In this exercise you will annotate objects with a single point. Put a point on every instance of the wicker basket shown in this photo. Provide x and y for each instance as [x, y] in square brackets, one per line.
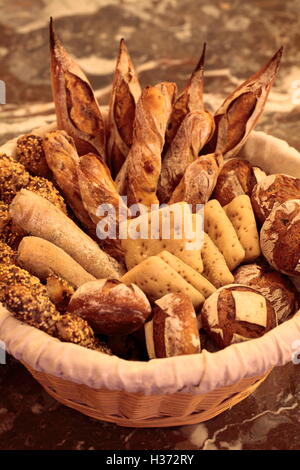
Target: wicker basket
[137, 410]
[165, 392]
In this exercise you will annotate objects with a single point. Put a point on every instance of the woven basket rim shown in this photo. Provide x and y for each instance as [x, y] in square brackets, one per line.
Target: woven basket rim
[188, 374]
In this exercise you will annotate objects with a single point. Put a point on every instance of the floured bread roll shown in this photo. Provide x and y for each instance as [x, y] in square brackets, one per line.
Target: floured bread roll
[280, 240]
[110, 307]
[272, 191]
[237, 313]
[237, 177]
[275, 287]
[173, 330]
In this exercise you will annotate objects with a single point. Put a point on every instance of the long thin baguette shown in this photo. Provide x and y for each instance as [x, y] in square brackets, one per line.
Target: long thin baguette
[38, 217]
[144, 159]
[41, 258]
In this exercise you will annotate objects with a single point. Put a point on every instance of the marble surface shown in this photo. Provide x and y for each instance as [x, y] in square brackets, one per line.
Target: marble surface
[165, 39]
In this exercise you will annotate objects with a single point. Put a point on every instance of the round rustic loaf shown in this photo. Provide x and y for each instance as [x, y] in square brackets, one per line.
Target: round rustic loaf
[236, 313]
[173, 330]
[272, 191]
[275, 287]
[110, 307]
[280, 239]
[237, 177]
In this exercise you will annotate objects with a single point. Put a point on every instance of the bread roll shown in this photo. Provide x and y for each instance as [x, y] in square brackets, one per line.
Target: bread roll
[173, 330]
[237, 177]
[280, 240]
[38, 217]
[272, 191]
[236, 313]
[277, 288]
[110, 307]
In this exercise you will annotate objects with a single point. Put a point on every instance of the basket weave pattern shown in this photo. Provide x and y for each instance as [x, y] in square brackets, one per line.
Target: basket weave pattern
[137, 410]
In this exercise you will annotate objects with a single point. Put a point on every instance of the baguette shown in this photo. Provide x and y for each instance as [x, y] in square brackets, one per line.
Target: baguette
[198, 181]
[239, 113]
[192, 135]
[188, 100]
[62, 158]
[42, 258]
[144, 159]
[38, 217]
[97, 188]
[125, 94]
[76, 106]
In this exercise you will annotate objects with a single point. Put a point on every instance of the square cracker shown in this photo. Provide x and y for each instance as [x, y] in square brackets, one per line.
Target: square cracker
[185, 247]
[241, 215]
[218, 226]
[189, 274]
[156, 279]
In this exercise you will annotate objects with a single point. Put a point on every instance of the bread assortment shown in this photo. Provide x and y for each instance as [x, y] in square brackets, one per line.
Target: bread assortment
[88, 255]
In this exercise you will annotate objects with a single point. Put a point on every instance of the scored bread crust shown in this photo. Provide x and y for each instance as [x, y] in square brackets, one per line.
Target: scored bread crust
[237, 177]
[144, 159]
[173, 329]
[277, 288]
[273, 191]
[125, 94]
[221, 311]
[279, 238]
[193, 133]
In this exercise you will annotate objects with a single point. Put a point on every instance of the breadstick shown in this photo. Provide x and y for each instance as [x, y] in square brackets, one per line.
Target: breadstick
[144, 159]
[125, 94]
[43, 258]
[38, 217]
[192, 135]
[76, 106]
[218, 226]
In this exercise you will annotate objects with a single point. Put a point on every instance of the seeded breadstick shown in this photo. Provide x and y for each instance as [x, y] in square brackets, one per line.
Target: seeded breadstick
[31, 154]
[46, 189]
[13, 177]
[189, 274]
[38, 217]
[215, 268]
[7, 254]
[241, 215]
[28, 300]
[74, 329]
[156, 278]
[218, 226]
